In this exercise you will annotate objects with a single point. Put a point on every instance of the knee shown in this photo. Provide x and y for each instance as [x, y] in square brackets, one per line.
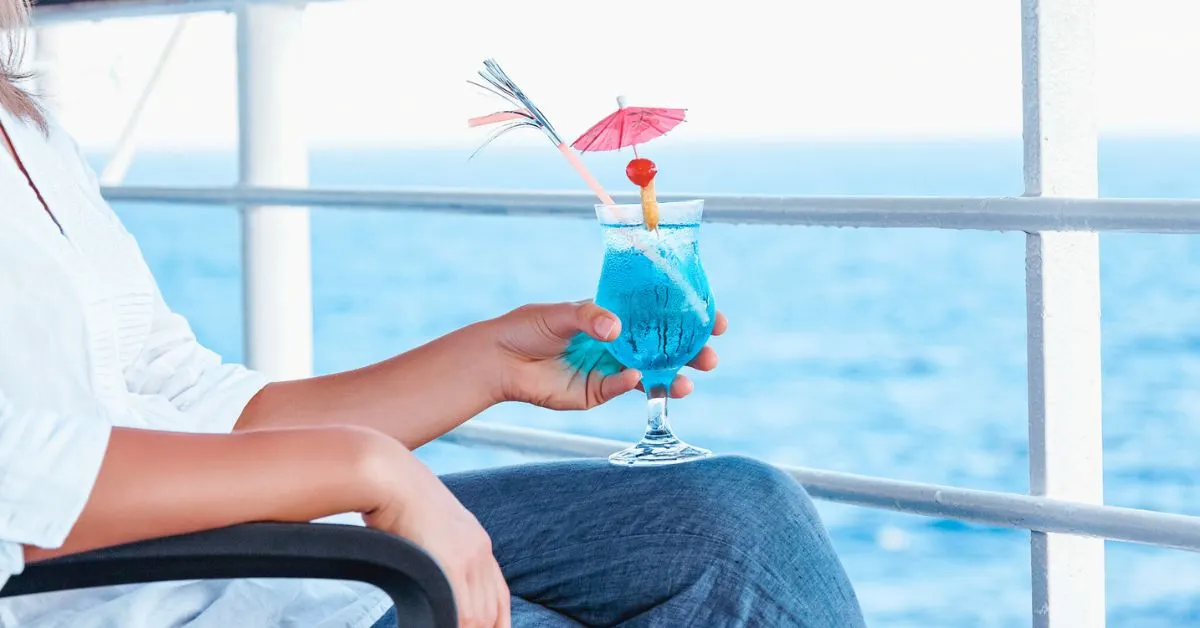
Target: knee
[766, 528]
[747, 485]
[751, 501]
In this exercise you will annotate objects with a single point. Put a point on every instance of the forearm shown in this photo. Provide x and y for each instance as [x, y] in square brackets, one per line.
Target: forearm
[414, 397]
[155, 484]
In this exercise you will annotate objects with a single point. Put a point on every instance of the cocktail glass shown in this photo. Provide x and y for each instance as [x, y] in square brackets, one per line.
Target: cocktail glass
[654, 282]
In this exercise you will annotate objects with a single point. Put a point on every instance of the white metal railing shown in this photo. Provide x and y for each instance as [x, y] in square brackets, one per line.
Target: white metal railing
[1062, 278]
[1058, 212]
[1019, 213]
[273, 150]
[112, 9]
[988, 507]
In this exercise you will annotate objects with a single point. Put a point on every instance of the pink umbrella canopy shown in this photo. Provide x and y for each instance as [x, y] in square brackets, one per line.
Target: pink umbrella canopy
[629, 126]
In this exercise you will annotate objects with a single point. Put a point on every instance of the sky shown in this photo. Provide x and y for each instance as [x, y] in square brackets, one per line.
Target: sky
[392, 72]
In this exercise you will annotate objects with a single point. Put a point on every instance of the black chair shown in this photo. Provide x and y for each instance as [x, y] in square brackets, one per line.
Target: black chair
[409, 575]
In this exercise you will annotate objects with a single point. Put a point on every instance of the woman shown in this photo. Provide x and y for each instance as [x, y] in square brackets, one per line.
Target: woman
[117, 425]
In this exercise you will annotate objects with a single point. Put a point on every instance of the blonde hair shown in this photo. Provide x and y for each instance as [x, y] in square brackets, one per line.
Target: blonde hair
[14, 16]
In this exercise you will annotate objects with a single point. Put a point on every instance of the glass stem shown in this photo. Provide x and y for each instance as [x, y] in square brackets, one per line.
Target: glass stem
[657, 427]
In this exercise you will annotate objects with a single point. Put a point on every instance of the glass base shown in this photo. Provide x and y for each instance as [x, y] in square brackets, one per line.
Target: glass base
[658, 452]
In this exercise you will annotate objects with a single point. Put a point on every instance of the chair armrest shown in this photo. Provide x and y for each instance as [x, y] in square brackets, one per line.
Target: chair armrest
[408, 575]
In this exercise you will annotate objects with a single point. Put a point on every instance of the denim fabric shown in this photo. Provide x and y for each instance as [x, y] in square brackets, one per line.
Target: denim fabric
[726, 541]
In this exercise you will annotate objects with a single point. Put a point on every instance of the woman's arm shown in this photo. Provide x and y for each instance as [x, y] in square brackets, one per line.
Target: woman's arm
[551, 355]
[153, 484]
[414, 397]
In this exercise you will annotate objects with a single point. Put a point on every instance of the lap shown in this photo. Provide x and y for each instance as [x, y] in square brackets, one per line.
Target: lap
[533, 509]
[604, 544]
[525, 614]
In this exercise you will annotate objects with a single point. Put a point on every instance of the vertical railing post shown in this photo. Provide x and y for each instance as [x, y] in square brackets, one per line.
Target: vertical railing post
[1063, 301]
[273, 151]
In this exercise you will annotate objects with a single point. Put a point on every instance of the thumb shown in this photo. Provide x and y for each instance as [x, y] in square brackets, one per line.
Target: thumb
[564, 320]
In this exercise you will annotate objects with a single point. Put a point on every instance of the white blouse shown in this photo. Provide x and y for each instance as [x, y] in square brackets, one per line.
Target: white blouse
[87, 343]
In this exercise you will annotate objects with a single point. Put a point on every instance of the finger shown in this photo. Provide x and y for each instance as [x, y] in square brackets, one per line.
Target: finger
[706, 360]
[618, 384]
[720, 324]
[469, 615]
[681, 387]
[495, 590]
[489, 593]
[504, 620]
[462, 598]
[482, 599]
[565, 320]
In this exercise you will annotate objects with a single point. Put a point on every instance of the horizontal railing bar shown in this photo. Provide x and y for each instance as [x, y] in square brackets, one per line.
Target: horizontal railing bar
[987, 507]
[46, 13]
[977, 213]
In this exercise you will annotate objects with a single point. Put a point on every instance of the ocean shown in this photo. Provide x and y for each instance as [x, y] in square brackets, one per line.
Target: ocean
[890, 352]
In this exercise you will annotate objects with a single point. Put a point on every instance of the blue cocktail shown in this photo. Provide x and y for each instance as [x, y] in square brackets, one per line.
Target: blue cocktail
[654, 282]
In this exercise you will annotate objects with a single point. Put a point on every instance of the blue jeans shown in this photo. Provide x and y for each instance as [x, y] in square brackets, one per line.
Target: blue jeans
[722, 542]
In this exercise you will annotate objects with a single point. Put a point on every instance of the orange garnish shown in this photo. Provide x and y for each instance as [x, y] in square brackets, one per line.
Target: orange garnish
[649, 206]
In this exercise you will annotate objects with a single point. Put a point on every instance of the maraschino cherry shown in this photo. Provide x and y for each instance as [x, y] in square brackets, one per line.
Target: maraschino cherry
[641, 171]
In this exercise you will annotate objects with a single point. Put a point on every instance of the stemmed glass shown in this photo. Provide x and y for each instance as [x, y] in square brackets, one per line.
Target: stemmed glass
[654, 282]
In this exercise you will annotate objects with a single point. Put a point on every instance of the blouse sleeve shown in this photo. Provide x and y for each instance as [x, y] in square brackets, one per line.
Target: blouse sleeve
[173, 365]
[48, 464]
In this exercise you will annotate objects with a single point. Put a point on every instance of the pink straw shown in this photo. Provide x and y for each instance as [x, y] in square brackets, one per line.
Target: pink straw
[591, 181]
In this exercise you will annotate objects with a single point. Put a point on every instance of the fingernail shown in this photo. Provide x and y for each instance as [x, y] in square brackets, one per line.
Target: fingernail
[604, 327]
